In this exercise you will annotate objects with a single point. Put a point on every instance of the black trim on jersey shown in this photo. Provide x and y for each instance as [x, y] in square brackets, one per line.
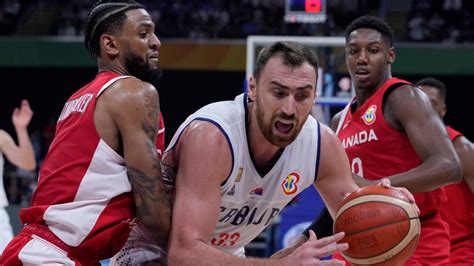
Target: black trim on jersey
[390, 89]
[353, 107]
[223, 132]
[385, 96]
[387, 92]
[318, 152]
[228, 141]
[246, 101]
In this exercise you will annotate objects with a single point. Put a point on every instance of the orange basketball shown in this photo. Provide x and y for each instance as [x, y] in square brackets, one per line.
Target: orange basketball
[381, 226]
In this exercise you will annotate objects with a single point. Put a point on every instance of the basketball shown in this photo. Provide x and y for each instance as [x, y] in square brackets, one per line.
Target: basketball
[381, 225]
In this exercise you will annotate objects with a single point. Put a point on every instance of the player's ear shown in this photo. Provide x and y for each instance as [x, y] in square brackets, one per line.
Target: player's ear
[391, 55]
[252, 91]
[443, 110]
[109, 44]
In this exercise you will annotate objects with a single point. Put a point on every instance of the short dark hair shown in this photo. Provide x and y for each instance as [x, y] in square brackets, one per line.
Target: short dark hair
[374, 23]
[435, 83]
[105, 17]
[293, 54]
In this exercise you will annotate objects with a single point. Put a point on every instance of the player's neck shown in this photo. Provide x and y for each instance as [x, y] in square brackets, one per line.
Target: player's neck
[264, 153]
[362, 94]
[113, 68]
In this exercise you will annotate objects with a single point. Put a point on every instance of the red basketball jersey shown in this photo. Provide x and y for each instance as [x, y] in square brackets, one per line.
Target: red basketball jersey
[458, 212]
[376, 150]
[83, 194]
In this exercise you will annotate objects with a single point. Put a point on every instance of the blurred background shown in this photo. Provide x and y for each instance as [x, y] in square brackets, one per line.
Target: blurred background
[203, 54]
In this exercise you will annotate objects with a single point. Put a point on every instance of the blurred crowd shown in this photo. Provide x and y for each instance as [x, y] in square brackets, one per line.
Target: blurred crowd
[448, 21]
[422, 21]
[441, 21]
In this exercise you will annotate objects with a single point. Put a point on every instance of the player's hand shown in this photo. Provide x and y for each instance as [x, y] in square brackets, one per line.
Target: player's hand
[385, 182]
[312, 250]
[21, 117]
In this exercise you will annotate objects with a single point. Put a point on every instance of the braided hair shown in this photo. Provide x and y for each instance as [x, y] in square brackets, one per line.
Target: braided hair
[105, 16]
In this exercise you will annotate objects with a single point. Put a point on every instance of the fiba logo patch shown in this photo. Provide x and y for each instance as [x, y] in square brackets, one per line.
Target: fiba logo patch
[369, 115]
[289, 185]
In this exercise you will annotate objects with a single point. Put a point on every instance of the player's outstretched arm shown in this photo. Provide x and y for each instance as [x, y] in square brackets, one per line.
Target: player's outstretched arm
[21, 155]
[465, 150]
[409, 109]
[134, 109]
[324, 247]
[313, 249]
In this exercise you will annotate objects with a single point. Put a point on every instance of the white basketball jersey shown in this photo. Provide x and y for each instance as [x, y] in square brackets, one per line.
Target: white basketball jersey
[249, 202]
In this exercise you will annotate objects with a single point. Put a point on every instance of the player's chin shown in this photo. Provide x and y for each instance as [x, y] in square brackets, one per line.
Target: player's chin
[364, 84]
[283, 140]
[153, 66]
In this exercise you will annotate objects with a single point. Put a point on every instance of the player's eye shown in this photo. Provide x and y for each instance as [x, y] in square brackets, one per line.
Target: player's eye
[279, 93]
[301, 96]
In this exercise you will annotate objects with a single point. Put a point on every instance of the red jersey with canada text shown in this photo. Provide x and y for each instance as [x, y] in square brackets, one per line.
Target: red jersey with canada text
[83, 194]
[458, 212]
[376, 150]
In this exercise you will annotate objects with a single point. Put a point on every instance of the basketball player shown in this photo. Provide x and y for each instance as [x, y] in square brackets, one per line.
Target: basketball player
[389, 130]
[238, 163]
[458, 210]
[102, 168]
[21, 155]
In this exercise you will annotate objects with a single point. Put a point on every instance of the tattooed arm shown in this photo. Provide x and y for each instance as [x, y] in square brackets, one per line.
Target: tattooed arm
[126, 117]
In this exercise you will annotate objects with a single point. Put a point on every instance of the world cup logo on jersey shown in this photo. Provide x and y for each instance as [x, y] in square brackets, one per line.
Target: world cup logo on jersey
[369, 115]
[289, 185]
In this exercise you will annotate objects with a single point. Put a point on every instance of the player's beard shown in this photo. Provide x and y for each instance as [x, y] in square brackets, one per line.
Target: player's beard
[140, 69]
[267, 128]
